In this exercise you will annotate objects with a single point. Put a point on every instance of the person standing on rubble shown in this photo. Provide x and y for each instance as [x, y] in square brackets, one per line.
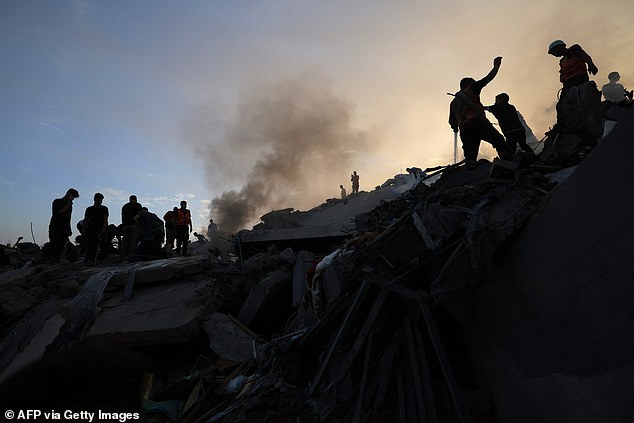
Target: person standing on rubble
[580, 114]
[354, 178]
[96, 225]
[183, 220]
[170, 229]
[59, 227]
[508, 118]
[615, 93]
[344, 195]
[129, 228]
[466, 113]
[212, 233]
[572, 66]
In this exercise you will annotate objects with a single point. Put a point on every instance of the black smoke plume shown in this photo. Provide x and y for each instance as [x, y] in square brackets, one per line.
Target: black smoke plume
[302, 136]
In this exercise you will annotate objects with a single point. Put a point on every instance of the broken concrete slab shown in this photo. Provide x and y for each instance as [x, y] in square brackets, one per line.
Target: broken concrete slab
[555, 325]
[229, 338]
[15, 275]
[268, 305]
[34, 350]
[15, 301]
[154, 315]
[323, 226]
[160, 270]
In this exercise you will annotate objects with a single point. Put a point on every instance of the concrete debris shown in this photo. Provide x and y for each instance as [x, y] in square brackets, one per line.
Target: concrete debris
[491, 293]
[229, 339]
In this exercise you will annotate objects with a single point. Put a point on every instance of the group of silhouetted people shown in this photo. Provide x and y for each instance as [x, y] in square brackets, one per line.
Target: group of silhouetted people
[140, 235]
[467, 113]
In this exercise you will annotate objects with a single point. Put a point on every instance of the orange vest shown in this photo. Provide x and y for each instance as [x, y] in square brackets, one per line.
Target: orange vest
[471, 113]
[182, 217]
[572, 66]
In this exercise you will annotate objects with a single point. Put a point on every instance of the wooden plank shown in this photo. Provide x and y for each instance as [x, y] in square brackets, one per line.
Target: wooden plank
[386, 364]
[335, 343]
[428, 391]
[415, 374]
[364, 378]
[447, 371]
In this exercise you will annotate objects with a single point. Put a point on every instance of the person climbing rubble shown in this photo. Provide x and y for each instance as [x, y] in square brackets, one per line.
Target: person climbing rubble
[579, 109]
[572, 66]
[466, 114]
[508, 118]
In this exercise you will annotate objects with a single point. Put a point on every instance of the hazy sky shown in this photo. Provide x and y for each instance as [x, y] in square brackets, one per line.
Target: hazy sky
[197, 99]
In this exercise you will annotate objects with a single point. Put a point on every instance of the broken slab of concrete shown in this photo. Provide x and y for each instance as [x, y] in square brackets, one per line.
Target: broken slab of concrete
[229, 338]
[15, 301]
[160, 270]
[34, 350]
[552, 335]
[154, 315]
[269, 303]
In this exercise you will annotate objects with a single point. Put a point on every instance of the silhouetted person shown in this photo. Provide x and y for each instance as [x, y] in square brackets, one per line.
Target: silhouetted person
[200, 237]
[183, 221]
[59, 226]
[212, 233]
[354, 178]
[572, 66]
[151, 235]
[615, 92]
[466, 113]
[95, 225]
[170, 228]
[344, 195]
[129, 228]
[509, 121]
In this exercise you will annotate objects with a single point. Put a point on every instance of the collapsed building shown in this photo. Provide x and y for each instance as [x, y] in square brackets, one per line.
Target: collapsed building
[500, 293]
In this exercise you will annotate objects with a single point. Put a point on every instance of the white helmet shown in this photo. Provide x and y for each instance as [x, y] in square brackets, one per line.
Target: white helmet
[555, 44]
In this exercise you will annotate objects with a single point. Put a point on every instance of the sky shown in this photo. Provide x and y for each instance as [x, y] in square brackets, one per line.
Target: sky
[242, 107]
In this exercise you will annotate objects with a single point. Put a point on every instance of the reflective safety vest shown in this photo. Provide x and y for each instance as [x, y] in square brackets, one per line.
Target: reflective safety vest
[182, 217]
[570, 67]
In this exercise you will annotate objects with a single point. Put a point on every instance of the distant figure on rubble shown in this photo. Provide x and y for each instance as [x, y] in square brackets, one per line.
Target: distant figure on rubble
[509, 121]
[354, 178]
[59, 227]
[466, 113]
[212, 233]
[96, 226]
[182, 221]
[344, 195]
[129, 229]
[572, 66]
[170, 228]
[615, 92]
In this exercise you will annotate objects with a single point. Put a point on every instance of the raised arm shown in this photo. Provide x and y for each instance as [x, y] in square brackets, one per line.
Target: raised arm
[496, 67]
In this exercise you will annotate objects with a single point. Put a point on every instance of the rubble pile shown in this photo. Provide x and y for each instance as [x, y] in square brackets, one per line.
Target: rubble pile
[381, 326]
